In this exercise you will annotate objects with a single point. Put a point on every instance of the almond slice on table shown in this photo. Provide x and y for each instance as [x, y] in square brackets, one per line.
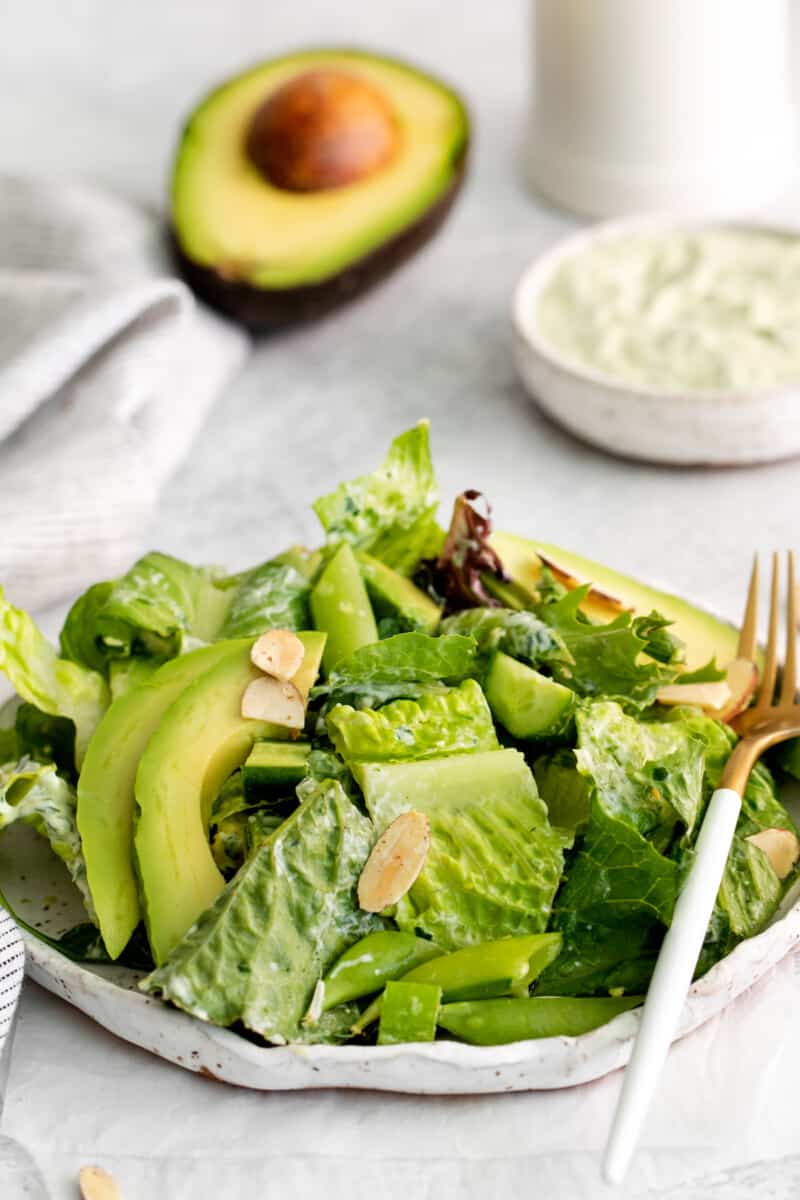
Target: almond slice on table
[780, 846]
[97, 1184]
[274, 700]
[279, 653]
[396, 860]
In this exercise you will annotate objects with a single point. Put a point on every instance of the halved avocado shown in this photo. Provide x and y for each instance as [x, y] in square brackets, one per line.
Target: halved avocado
[304, 180]
[704, 635]
[200, 740]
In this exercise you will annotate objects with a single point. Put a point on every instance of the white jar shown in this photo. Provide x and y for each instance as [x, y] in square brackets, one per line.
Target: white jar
[678, 104]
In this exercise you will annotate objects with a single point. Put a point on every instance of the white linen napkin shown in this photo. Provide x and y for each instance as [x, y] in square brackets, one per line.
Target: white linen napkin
[107, 370]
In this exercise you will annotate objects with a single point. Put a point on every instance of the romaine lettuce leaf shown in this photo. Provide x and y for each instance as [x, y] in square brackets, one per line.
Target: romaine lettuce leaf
[391, 512]
[46, 739]
[648, 773]
[125, 674]
[10, 749]
[520, 634]
[256, 955]
[494, 861]
[274, 595]
[79, 638]
[607, 659]
[406, 665]
[456, 721]
[54, 685]
[34, 793]
[157, 603]
[618, 897]
[565, 791]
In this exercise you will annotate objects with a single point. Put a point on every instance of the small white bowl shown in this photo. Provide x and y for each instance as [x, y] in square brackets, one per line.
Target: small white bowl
[684, 427]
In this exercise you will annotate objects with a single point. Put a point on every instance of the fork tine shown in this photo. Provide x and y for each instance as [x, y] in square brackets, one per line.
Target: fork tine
[767, 688]
[789, 682]
[748, 638]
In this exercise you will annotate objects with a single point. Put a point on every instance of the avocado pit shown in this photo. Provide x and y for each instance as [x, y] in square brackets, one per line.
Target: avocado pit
[323, 129]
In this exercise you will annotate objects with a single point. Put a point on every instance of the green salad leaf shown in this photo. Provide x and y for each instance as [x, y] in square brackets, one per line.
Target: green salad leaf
[405, 665]
[494, 861]
[256, 955]
[391, 512]
[607, 659]
[520, 634]
[274, 595]
[648, 773]
[456, 721]
[78, 638]
[153, 610]
[53, 685]
[34, 793]
[46, 739]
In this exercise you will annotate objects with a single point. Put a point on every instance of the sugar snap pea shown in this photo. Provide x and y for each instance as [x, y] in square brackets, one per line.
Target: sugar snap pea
[409, 1013]
[506, 967]
[372, 962]
[496, 1022]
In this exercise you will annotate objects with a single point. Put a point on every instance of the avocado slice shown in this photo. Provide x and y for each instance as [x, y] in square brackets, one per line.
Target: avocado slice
[200, 740]
[272, 769]
[340, 605]
[105, 789]
[704, 635]
[262, 228]
[528, 704]
[393, 595]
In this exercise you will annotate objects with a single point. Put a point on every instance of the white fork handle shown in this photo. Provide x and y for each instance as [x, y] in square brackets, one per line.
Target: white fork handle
[671, 980]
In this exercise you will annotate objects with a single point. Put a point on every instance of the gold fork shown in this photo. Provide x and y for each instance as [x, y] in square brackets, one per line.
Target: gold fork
[765, 724]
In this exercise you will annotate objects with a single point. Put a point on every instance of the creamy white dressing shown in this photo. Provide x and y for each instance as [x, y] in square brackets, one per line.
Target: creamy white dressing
[715, 308]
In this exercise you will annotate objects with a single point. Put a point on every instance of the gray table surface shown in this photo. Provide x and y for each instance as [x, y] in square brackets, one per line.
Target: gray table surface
[98, 90]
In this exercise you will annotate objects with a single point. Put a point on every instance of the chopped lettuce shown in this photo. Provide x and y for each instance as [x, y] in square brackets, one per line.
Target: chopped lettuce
[520, 634]
[124, 674]
[78, 638]
[46, 739]
[256, 955]
[648, 796]
[10, 748]
[564, 790]
[391, 512]
[406, 665]
[648, 773]
[34, 793]
[158, 606]
[456, 721]
[607, 659]
[494, 861]
[274, 595]
[54, 685]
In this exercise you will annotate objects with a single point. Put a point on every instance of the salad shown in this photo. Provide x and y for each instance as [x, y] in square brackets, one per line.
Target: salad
[414, 783]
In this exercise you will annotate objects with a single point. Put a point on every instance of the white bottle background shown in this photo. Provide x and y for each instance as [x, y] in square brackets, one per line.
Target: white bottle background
[677, 104]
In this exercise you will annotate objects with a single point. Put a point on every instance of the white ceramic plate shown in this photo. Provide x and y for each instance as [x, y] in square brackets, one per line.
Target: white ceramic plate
[687, 428]
[39, 889]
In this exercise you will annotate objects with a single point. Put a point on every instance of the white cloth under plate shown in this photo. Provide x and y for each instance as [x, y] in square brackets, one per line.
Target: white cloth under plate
[107, 370]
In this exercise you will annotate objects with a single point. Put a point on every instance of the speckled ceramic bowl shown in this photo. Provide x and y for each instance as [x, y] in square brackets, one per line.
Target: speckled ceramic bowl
[685, 428]
[109, 995]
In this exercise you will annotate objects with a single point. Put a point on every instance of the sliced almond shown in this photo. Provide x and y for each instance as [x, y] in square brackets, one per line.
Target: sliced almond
[780, 846]
[279, 653]
[396, 860]
[97, 1184]
[274, 700]
[704, 695]
[599, 601]
[742, 679]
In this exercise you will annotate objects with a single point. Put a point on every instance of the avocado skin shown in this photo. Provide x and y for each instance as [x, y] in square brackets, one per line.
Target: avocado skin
[265, 309]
